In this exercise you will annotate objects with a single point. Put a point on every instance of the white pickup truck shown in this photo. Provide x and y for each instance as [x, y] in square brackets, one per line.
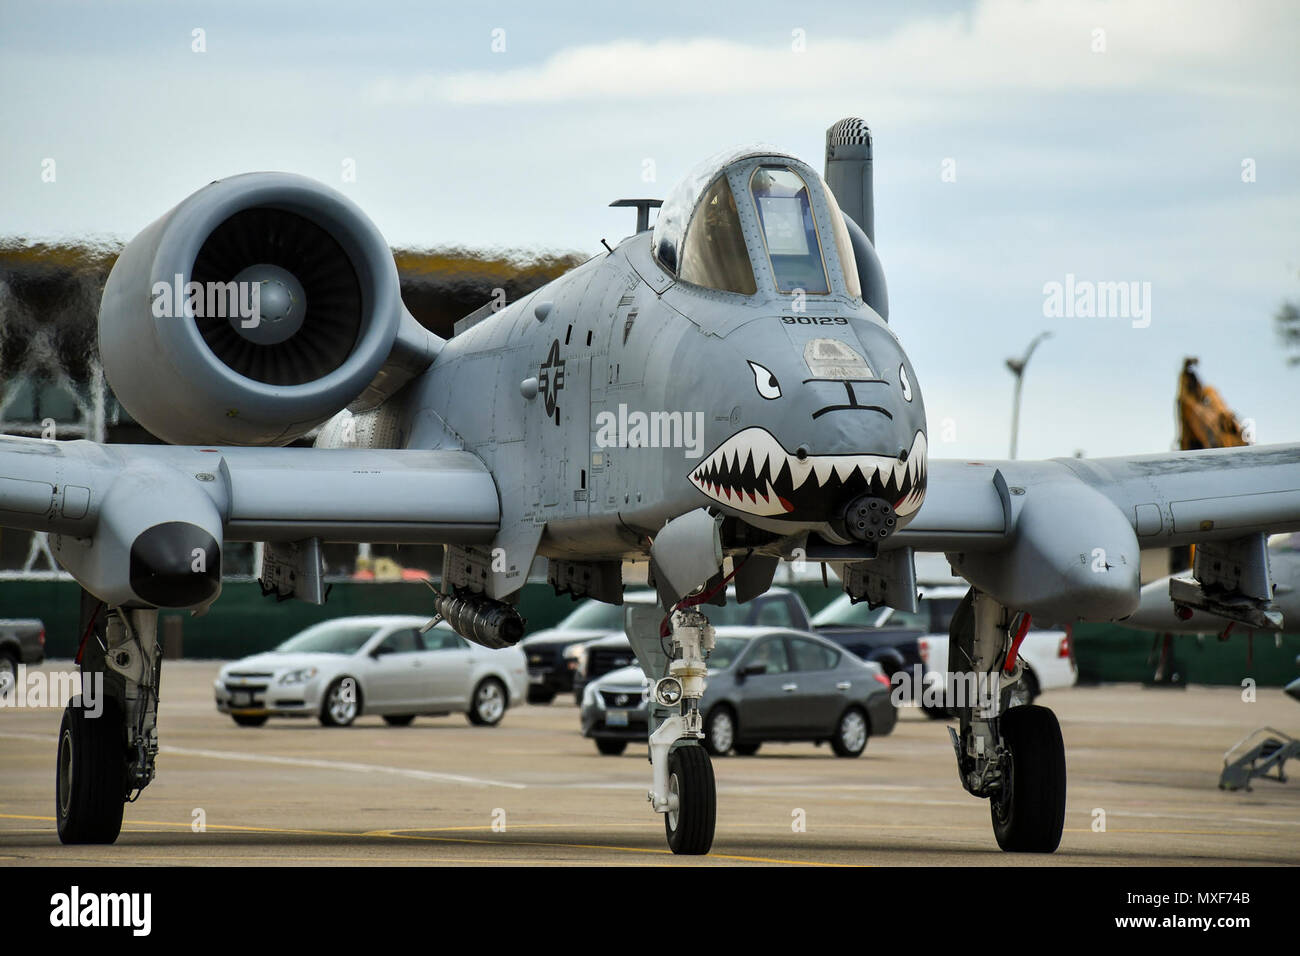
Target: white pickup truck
[1048, 656]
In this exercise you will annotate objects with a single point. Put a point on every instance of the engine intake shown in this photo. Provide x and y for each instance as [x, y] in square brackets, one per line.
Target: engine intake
[189, 360]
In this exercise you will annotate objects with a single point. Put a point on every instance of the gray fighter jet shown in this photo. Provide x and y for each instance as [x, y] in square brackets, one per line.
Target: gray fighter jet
[721, 391]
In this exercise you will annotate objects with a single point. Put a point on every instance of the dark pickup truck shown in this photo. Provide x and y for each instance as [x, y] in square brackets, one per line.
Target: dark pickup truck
[889, 638]
[22, 641]
[777, 607]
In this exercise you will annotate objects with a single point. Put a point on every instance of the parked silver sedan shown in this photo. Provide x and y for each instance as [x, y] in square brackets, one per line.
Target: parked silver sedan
[764, 684]
[340, 669]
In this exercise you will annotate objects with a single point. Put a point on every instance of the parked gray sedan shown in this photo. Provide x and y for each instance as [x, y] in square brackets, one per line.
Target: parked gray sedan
[764, 684]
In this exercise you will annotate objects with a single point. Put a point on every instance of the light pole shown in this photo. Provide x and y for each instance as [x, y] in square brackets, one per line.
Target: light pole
[1017, 367]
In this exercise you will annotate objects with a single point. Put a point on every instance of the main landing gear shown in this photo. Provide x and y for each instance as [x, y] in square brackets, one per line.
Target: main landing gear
[1008, 752]
[684, 790]
[108, 740]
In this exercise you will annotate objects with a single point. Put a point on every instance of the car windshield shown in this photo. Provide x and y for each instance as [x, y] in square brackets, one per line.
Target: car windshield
[594, 616]
[789, 231]
[842, 611]
[725, 652]
[329, 637]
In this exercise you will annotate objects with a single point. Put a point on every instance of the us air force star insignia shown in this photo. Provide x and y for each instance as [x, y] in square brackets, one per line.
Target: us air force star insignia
[550, 380]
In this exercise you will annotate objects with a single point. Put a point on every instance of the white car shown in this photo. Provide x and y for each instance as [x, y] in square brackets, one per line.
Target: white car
[1047, 653]
[338, 670]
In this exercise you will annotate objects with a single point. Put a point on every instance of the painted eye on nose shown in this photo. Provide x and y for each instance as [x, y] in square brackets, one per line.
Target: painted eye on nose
[765, 382]
[903, 380]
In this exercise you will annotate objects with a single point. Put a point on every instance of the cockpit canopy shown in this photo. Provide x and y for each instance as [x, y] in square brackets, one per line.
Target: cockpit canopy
[756, 219]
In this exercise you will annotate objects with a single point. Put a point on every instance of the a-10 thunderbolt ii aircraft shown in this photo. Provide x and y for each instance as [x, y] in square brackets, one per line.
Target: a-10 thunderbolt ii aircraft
[724, 387]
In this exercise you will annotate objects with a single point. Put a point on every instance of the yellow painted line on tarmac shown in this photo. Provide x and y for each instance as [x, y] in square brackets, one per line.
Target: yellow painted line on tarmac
[1258, 833]
[279, 859]
[398, 831]
[396, 835]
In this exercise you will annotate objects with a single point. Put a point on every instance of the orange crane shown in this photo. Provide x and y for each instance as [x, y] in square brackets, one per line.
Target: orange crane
[1204, 421]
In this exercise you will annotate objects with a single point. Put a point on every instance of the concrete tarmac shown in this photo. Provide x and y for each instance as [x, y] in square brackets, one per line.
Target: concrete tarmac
[533, 791]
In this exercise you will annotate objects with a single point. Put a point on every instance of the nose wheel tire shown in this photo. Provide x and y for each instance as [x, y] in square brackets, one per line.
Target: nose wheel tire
[90, 780]
[690, 781]
[1029, 813]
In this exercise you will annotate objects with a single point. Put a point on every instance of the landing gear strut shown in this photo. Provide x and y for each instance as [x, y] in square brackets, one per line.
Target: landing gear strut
[684, 790]
[108, 740]
[1011, 755]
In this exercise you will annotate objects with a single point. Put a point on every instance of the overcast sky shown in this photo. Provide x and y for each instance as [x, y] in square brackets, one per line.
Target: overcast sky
[1102, 140]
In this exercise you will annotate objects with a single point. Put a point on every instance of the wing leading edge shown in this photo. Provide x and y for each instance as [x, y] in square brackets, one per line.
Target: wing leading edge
[1063, 537]
[98, 502]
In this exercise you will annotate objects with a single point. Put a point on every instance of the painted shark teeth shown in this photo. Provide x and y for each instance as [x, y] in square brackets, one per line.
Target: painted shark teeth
[751, 472]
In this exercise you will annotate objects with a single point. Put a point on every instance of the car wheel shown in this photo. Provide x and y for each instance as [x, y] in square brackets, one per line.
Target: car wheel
[8, 673]
[398, 720]
[90, 779]
[342, 703]
[249, 720]
[851, 733]
[690, 780]
[1029, 813]
[488, 704]
[746, 750]
[540, 695]
[611, 748]
[719, 731]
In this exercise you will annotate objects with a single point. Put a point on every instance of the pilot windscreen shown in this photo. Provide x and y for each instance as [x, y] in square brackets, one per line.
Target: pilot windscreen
[785, 214]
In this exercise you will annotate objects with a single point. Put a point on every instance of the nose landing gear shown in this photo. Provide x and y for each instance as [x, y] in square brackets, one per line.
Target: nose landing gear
[684, 790]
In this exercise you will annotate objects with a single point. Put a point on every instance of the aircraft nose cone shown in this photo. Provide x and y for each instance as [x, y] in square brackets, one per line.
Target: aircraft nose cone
[753, 472]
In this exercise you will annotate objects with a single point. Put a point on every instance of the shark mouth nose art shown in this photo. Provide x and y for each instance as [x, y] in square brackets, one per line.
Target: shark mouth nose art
[752, 472]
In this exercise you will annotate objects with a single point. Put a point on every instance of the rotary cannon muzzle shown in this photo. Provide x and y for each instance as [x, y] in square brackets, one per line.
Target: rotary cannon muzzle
[869, 519]
[480, 619]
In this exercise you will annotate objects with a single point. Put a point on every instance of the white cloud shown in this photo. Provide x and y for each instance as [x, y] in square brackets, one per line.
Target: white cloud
[1003, 45]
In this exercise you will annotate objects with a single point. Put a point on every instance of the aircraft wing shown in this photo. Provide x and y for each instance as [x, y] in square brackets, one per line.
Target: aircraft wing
[114, 510]
[1063, 537]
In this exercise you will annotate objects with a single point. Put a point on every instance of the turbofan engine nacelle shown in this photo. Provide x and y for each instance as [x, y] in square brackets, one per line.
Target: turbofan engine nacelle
[256, 309]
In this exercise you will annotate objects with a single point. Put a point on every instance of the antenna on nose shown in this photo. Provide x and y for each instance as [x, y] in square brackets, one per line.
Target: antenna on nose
[643, 207]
